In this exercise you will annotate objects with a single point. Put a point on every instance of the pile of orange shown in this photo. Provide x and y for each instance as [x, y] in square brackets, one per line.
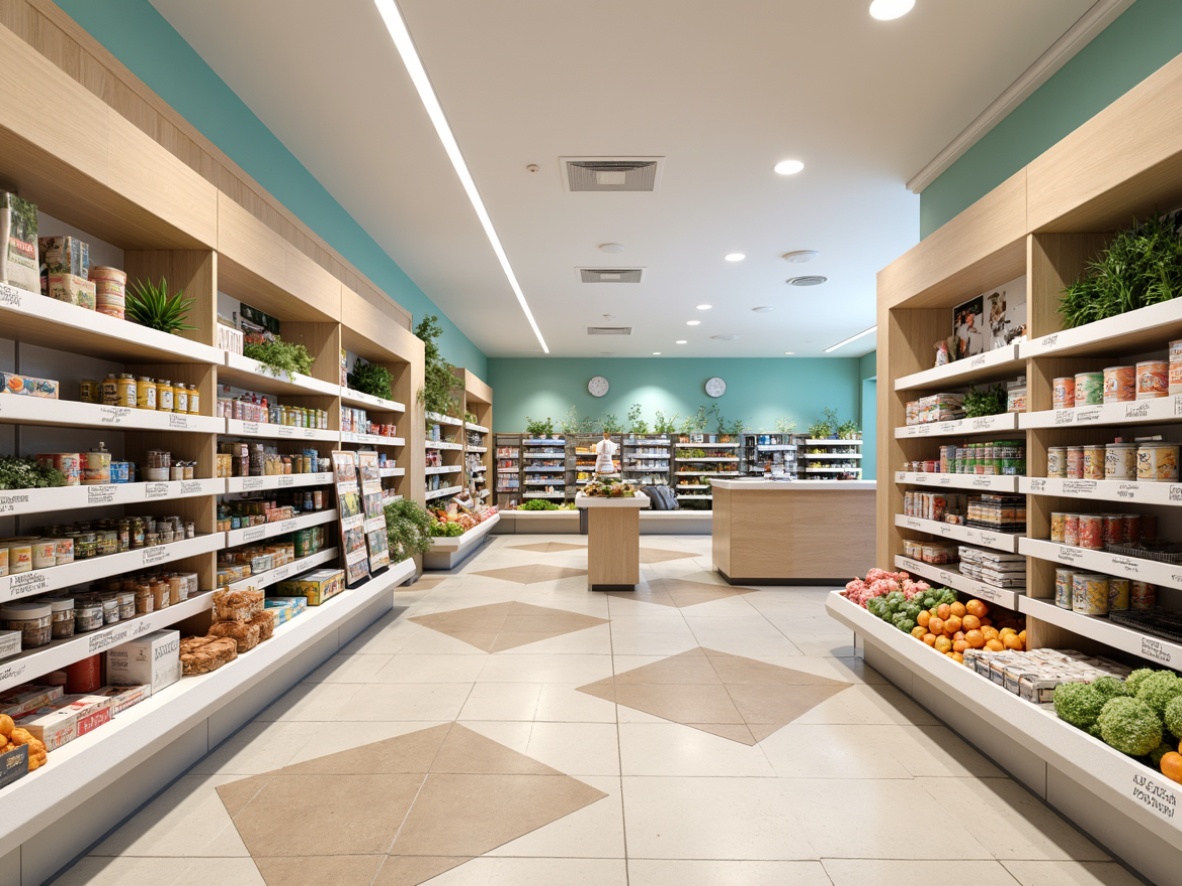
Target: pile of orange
[952, 628]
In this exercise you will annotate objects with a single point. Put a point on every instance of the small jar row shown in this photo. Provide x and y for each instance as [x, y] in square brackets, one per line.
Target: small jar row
[1096, 532]
[144, 392]
[1149, 461]
[1096, 594]
[999, 458]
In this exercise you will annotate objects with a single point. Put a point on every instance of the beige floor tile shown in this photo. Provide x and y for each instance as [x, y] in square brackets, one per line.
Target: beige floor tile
[427, 641]
[1010, 821]
[679, 702]
[880, 872]
[130, 871]
[349, 668]
[489, 871]
[562, 703]
[692, 666]
[673, 749]
[1070, 873]
[414, 751]
[587, 641]
[670, 872]
[414, 667]
[502, 701]
[467, 751]
[259, 746]
[340, 870]
[413, 870]
[548, 547]
[652, 642]
[716, 818]
[523, 668]
[405, 701]
[938, 751]
[831, 751]
[577, 749]
[309, 702]
[869, 705]
[345, 735]
[595, 831]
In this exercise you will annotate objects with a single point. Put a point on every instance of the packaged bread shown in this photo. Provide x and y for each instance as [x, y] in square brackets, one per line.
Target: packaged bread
[200, 655]
[236, 605]
[265, 621]
[245, 634]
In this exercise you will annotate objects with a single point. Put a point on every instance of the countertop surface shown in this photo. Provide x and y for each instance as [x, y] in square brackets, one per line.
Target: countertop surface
[795, 485]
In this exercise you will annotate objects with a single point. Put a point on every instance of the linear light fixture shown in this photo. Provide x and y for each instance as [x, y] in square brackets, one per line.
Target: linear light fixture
[842, 344]
[418, 75]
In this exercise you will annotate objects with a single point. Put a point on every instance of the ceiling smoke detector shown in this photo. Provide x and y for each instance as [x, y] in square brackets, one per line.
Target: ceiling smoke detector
[800, 256]
[609, 330]
[807, 280]
[611, 173]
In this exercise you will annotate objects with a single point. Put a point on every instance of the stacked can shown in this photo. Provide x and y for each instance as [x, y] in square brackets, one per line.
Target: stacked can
[1089, 388]
[110, 290]
[1175, 377]
[1120, 384]
[1153, 379]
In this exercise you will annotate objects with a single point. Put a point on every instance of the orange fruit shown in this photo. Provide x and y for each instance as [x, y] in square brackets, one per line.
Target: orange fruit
[943, 610]
[943, 644]
[1171, 766]
[951, 624]
[994, 645]
[977, 608]
[958, 658]
[958, 609]
[1004, 631]
[990, 632]
[986, 621]
[929, 638]
[959, 645]
[6, 724]
[959, 635]
[975, 639]
[936, 625]
[970, 622]
[1011, 641]
[918, 631]
[1022, 636]
[922, 618]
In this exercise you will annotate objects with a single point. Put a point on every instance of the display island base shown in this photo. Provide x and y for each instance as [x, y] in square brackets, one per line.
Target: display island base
[613, 541]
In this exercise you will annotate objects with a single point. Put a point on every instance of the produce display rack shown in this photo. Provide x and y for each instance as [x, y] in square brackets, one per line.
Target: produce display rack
[830, 459]
[692, 473]
[1044, 223]
[507, 461]
[771, 455]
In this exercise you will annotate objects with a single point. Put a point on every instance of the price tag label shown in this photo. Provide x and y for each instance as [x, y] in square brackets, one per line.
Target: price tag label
[254, 533]
[1175, 492]
[309, 433]
[1079, 487]
[9, 503]
[923, 430]
[250, 427]
[1178, 405]
[251, 483]
[949, 427]
[192, 487]
[158, 554]
[282, 572]
[987, 538]
[982, 482]
[288, 526]
[13, 673]
[1156, 649]
[104, 639]
[1049, 341]
[100, 495]
[1127, 565]
[946, 577]
[143, 626]
[945, 480]
[977, 362]
[1137, 410]
[1038, 485]
[1155, 795]
[375, 524]
[986, 592]
[1064, 416]
[155, 490]
[947, 529]
[1068, 555]
[113, 415]
[178, 422]
[11, 297]
[1089, 415]
[286, 481]
[285, 431]
[28, 583]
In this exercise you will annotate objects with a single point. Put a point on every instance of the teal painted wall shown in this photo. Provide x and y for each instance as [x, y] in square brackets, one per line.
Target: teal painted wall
[1146, 36]
[758, 391]
[143, 40]
[868, 371]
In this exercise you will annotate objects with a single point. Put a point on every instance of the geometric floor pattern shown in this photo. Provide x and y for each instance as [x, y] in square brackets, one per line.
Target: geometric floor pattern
[397, 812]
[548, 547]
[679, 593]
[656, 555]
[500, 626]
[534, 573]
[726, 695]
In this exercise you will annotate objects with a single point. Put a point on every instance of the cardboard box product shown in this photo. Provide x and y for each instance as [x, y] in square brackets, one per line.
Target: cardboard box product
[317, 586]
[28, 386]
[72, 290]
[65, 255]
[153, 659]
[92, 711]
[52, 725]
[123, 697]
[14, 764]
[10, 644]
[20, 265]
[19, 701]
[286, 608]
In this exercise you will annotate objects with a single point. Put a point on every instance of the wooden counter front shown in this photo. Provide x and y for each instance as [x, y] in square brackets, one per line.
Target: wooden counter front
[613, 541]
[793, 532]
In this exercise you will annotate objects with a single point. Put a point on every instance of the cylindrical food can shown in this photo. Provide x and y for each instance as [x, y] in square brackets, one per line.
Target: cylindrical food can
[1091, 532]
[1075, 465]
[1120, 461]
[69, 463]
[1153, 379]
[1114, 529]
[1118, 594]
[1142, 595]
[63, 551]
[1089, 593]
[109, 390]
[1176, 367]
[1058, 519]
[1071, 529]
[1089, 388]
[1063, 588]
[145, 392]
[127, 390]
[44, 553]
[1120, 384]
[1133, 528]
[1063, 392]
[1057, 461]
[96, 468]
[20, 559]
[90, 391]
[1157, 462]
[1093, 462]
[84, 675]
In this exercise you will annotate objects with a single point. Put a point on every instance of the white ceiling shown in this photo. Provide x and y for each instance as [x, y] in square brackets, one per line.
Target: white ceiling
[722, 90]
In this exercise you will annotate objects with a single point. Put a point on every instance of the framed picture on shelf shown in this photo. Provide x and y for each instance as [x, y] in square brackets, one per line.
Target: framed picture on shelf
[1005, 308]
[375, 513]
[968, 328]
[351, 513]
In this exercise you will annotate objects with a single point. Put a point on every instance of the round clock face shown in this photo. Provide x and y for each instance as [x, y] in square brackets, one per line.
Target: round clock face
[597, 387]
[715, 387]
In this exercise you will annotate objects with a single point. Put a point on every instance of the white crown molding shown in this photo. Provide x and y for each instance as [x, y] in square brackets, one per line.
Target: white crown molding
[1091, 23]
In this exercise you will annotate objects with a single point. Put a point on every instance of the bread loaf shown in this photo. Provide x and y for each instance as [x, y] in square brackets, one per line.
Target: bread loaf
[200, 655]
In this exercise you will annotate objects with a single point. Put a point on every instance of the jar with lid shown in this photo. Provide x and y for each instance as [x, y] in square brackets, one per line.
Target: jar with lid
[33, 620]
[111, 390]
[88, 614]
[110, 608]
[63, 617]
[127, 390]
[90, 391]
[159, 464]
[180, 397]
[108, 541]
[164, 395]
[137, 532]
[126, 604]
[145, 388]
[160, 594]
[194, 400]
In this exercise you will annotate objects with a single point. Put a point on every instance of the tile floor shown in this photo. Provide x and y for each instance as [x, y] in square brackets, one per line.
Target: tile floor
[506, 726]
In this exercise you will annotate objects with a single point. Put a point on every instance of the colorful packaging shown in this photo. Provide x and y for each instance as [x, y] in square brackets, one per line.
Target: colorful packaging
[71, 289]
[316, 586]
[153, 659]
[1120, 384]
[1089, 593]
[1063, 392]
[1089, 388]
[1153, 379]
[65, 255]
[1120, 461]
[28, 386]
[20, 264]
[1157, 462]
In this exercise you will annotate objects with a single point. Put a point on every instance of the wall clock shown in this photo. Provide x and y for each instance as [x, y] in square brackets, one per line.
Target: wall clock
[715, 387]
[598, 386]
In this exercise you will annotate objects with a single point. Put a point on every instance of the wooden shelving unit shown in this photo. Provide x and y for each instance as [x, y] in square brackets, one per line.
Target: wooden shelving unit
[1045, 222]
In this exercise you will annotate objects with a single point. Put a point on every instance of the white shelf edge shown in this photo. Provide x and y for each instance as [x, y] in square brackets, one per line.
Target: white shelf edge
[443, 469]
[249, 534]
[72, 413]
[282, 573]
[14, 502]
[433, 494]
[270, 431]
[986, 482]
[245, 366]
[810, 441]
[957, 580]
[457, 543]
[1156, 650]
[359, 398]
[386, 473]
[984, 424]
[1161, 409]
[1130, 491]
[1000, 541]
[444, 419]
[442, 445]
[277, 481]
[371, 439]
[999, 360]
[480, 429]
[1104, 332]
[1099, 561]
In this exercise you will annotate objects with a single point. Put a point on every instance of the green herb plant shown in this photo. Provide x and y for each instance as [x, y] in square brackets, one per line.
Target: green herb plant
[573, 423]
[785, 426]
[665, 425]
[848, 430]
[436, 395]
[611, 424]
[636, 422]
[150, 305]
[17, 472]
[370, 378]
[408, 529]
[540, 429]
[991, 401]
[538, 504]
[280, 356]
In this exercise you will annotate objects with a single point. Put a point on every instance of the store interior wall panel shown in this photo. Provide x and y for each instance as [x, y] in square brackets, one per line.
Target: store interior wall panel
[193, 272]
[1055, 261]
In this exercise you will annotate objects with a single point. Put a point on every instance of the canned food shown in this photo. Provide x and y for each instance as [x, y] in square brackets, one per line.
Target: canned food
[1089, 388]
[20, 559]
[1057, 461]
[44, 553]
[90, 391]
[1175, 367]
[1132, 527]
[1063, 392]
[63, 617]
[33, 619]
[1071, 529]
[1153, 379]
[1142, 595]
[1120, 461]
[1093, 462]
[69, 463]
[1118, 594]
[1058, 519]
[1089, 593]
[1063, 588]
[96, 467]
[1075, 466]
[88, 615]
[1114, 529]
[110, 390]
[1091, 532]
[1157, 462]
[127, 390]
[1120, 384]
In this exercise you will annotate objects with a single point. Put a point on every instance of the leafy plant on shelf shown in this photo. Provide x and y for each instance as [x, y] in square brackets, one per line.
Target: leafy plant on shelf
[848, 430]
[538, 504]
[572, 423]
[439, 383]
[609, 487]
[540, 429]
[408, 529]
[150, 305]
[17, 472]
[785, 426]
[280, 356]
[991, 401]
[1141, 266]
[820, 429]
[370, 378]
[636, 422]
[665, 425]
[611, 424]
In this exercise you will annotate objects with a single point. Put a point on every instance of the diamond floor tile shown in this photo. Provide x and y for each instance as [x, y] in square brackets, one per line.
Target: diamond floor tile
[728, 695]
[418, 805]
[656, 555]
[548, 547]
[532, 574]
[679, 592]
[424, 583]
[500, 626]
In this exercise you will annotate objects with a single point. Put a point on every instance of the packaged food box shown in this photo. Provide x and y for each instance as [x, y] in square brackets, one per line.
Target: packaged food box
[317, 586]
[65, 255]
[286, 608]
[14, 764]
[91, 711]
[22, 700]
[71, 289]
[54, 726]
[28, 386]
[123, 697]
[19, 262]
[10, 644]
[229, 339]
[153, 659]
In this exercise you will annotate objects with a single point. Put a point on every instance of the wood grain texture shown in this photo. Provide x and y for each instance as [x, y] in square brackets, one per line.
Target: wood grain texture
[1054, 261]
[613, 546]
[193, 272]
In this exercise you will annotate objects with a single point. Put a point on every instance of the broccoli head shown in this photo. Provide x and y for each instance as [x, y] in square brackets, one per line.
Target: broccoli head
[903, 621]
[1159, 689]
[1173, 716]
[1109, 687]
[1133, 680]
[1129, 725]
[1079, 704]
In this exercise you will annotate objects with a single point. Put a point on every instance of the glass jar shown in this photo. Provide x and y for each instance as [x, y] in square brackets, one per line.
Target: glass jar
[164, 395]
[160, 595]
[90, 391]
[127, 388]
[126, 605]
[110, 609]
[20, 559]
[111, 390]
[88, 614]
[159, 464]
[194, 400]
[145, 388]
[63, 617]
[33, 620]
[180, 397]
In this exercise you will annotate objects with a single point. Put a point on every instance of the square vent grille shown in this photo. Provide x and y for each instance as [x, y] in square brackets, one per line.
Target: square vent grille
[609, 330]
[610, 275]
[611, 173]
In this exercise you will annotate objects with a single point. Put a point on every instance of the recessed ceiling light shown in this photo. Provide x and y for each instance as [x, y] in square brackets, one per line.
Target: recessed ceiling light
[789, 353]
[704, 307]
[726, 336]
[680, 341]
[763, 309]
[788, 167]
[800, 256]
[735, 256]
[611, 248]
[656, 353]
[693, 322]
[885, 10]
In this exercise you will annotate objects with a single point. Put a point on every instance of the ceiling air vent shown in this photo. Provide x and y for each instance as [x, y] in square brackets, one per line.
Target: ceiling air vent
[807, 280]
[611, 173]
[609, 330]
[610, 275]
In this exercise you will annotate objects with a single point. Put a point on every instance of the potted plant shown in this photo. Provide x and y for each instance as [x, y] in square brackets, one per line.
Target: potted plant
[438, 381]
[636, 424]
[408, 531]
[848, 430]
[611, 424]
[280, 356]
[570, 423]
[370, 378]
[151, 306]
[822, 428]
[785, 426]
[665, 425]
[540, 429]
[729, 430]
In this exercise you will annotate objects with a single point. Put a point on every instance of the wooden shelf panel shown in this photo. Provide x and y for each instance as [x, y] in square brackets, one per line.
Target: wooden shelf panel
[991, 365]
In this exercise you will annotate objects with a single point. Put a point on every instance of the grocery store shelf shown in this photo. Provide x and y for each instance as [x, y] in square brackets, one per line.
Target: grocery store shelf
[632, 443]
[270, 431]
[953, 578]
[277, 481]
[480, 449]
[1099, 561]
[640, 457]
[984, 424]
[369, 401]
[258, 376]
[1156, 650]
[443, 469]
[480, 429]
[834, 470]
[449, 552]
[250, 534]
[371, 439]
[17, 409]
[442, 444]
[983, 482]
[707, 445]
[1130, 412]
[94, 568]
[282, 573]
[728, 459]
[832, 441]
[835, 456]
[1145, 329]
[386, 473]
[544, 495]
[776, 447]
[14, 502]
[997, 363]
[479, 469]
[441, 493]
[999, 541]
[444, 419]
[1130, 491]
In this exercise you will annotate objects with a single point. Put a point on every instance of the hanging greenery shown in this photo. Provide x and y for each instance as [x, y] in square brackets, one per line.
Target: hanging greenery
[370, 378]
[438, 382]
[280, 356]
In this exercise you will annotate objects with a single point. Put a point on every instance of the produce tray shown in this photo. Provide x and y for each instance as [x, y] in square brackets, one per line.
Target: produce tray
[1162, 552]
[1156, 622]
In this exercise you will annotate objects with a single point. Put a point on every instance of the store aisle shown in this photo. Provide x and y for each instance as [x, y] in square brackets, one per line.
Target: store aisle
[506, 726]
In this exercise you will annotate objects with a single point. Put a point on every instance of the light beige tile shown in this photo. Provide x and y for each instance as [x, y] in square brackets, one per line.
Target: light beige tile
[491, 871]
[203, 871]
[670, 872]
[466, 751]
[413, 667]
[1070, 873]
[937, 751]
[672, 749]
[831, 752]
[349, 668]
[307, 702]
[522, 668]
[868, 705]
[577, 749]
[882, 872]
[413, 870]
[344, 870]
[98, 871]
[405, 701]
[586, 641]
[502, 701]
[259, 746]
[653, 642]
[595, 831]
[562, 703]
[413, 751]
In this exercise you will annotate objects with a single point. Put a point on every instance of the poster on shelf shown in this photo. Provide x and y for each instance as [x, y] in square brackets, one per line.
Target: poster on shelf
[351, 514]
[1005, 308]
[375, 513]
[968, 328]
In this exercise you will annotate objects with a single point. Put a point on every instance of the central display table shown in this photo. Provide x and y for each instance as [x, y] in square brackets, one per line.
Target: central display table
[613, 541]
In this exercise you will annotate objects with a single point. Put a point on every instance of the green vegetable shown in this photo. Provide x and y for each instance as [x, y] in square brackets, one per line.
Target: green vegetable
[991, 401]
[280, 356]
[1129, 725]
[1133, 680]
[17, 472]
[538, 504]
[1079, 704]
[903, 622]
[408, 529]
[1158, 690]
[1173, 716]
[1109, 687]
[370, 378]
[151, 306]
[1157, 753]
